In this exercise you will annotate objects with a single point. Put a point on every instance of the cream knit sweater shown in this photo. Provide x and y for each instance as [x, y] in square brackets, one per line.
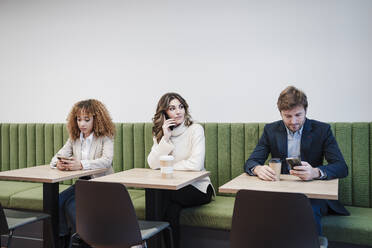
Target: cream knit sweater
[187, 146]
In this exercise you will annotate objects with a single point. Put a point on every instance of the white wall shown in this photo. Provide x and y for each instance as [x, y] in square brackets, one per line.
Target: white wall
[230, 59]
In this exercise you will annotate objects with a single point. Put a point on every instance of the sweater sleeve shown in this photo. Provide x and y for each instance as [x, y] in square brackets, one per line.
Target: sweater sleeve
[157, 150]
[196, 160]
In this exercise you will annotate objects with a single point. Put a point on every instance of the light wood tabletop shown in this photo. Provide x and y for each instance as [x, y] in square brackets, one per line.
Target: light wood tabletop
[149, 178]
[45, 174]
[50, 178]
[317, 189]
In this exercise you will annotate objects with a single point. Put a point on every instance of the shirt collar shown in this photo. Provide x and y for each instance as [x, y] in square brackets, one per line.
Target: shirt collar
[88, 139]
[299, 132]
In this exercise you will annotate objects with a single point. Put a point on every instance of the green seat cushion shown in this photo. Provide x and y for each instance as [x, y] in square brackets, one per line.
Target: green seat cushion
[31, 199]
[139, 205]
[9, 188]
[139, 202]
[356, 228]
[136, 193]
[217, 214]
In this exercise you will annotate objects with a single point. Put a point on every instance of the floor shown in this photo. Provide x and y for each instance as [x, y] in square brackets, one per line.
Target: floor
[30, 236]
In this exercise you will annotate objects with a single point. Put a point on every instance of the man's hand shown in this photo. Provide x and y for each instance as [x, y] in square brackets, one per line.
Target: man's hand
[305, 172]
[264, 172]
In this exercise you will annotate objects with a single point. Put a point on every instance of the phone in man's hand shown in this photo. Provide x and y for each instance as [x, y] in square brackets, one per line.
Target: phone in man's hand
[293, 162]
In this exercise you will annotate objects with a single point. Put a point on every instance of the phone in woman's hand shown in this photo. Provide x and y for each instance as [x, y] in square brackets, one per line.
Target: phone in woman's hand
[61, 158]
[167, 117]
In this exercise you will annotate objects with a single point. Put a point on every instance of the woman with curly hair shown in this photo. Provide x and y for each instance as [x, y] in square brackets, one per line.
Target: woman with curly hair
[90, 146]
[175, 134]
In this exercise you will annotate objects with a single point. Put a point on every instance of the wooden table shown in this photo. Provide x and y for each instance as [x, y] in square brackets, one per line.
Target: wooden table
[50, 179]
[152, 182]
[317, 189]
[154, 186]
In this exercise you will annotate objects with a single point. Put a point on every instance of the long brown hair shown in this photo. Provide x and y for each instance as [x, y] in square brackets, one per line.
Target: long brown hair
[102, 123]
[163, 105]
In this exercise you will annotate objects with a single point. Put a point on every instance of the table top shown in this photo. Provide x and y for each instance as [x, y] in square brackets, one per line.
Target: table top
[317, 189]
[45, 174]
[149, 178]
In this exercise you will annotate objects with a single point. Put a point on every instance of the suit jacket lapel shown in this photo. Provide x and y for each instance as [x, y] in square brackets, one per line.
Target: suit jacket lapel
[306, 139]
[282, 145]
[282, 140]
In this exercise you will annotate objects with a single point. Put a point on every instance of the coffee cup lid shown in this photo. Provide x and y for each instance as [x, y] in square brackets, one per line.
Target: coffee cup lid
[275, 160]
[166, 158]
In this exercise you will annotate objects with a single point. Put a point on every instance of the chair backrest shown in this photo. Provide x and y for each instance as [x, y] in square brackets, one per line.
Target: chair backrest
[272, 219]
[105, 216]
[4, 228]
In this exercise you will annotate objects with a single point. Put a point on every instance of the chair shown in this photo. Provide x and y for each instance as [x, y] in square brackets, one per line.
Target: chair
[105, 217]
[11, 219]
[273, 219]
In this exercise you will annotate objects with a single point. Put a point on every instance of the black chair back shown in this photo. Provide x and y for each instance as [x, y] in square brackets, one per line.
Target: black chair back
[4, 228]
[273, 219]
[105, 216]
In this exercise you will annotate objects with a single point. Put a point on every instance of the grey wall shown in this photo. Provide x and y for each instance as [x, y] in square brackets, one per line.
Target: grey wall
[229, 59]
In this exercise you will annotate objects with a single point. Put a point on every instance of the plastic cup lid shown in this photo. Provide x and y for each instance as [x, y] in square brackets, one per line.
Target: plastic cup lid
[166, 158]
[275, 160]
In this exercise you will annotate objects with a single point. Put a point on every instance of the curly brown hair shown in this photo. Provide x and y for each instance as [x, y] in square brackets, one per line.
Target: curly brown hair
[102, 123]
[163, 105]
[291, 97]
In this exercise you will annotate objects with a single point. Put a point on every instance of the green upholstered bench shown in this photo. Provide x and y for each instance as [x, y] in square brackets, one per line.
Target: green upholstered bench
[228, 145]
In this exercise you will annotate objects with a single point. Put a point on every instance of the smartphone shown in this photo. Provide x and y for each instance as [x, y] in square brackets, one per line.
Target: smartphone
[293, 162]
[167, 117]
[64, 158]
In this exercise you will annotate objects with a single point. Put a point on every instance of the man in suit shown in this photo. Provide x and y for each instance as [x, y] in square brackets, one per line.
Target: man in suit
[297, 136]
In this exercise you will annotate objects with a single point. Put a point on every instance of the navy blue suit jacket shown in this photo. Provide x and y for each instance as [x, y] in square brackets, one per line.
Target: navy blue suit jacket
[317, 143]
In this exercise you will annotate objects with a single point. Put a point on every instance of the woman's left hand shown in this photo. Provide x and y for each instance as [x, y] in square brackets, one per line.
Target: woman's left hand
[73, 164]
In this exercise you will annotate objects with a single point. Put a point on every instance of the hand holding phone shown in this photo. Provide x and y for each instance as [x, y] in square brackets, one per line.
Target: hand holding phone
[166, 117]
[168, 125]
[63, 159]
[293, 162]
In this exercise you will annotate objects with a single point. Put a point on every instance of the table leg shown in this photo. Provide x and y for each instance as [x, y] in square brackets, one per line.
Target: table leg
[154, 204]
[50, 206]
[154, 209]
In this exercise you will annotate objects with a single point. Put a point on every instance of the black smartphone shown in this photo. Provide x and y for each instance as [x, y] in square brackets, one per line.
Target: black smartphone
[64, 158]
[167, 117]
[293, 162]
[60, 158]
